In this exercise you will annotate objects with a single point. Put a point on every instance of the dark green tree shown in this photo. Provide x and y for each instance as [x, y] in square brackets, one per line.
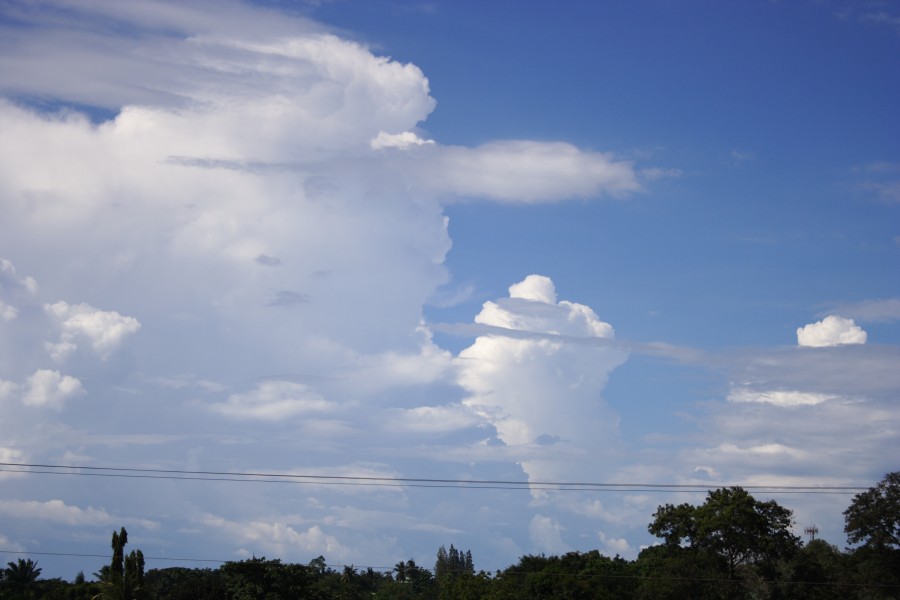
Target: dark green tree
[19, 578]
[123, 578]
[873, 516]
[180, 583]
[873, 520]
[818, 571]
[733, 528]
[453, 573]
[400, 570]
[261, 579]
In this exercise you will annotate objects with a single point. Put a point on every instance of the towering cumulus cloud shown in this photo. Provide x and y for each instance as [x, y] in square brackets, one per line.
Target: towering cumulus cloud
[538, 377]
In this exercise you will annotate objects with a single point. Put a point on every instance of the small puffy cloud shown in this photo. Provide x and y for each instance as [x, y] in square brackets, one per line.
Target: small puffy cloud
[831, 331]
[8, 312]
[11, 281]
[51, 389]
[398, 140]
[12, 288]
[273, 401]
[105, 330]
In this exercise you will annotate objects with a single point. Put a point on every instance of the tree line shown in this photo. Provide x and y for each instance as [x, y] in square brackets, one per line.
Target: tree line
[732, 546]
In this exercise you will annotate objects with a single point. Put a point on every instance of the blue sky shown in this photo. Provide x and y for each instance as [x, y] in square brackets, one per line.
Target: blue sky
[638, 242]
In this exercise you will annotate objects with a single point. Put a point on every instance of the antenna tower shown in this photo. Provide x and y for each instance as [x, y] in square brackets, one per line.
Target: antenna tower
[811, 532]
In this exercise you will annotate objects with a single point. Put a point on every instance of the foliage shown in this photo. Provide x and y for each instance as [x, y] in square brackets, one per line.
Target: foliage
[19, 578]
[732, 528]
[873, 517]
[123, 578]
[261, 579]
[818, 572]
[179, 583]
[411, 582]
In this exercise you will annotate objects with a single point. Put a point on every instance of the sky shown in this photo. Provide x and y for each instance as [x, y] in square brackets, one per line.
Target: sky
[360, 247]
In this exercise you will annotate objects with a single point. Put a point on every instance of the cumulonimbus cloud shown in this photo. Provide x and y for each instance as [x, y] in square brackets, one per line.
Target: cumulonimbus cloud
[215, 171]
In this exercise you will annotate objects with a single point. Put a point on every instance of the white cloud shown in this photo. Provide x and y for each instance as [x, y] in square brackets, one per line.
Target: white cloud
[830, 331]
[277, 536]
[57, 511]
[11, 281]
[105, 330]
[542, 392]
[8, 544]
[13, 288]
[51, 389]
[398, 140]
[434, 419]
[614, 546]
[778, 397]
[8, 312]
[274, 401]
[546, 535]
[257, 196]
[771, 449]
[525, 172]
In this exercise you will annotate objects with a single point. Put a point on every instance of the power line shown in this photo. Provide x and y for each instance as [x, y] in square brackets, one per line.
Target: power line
[256, 477]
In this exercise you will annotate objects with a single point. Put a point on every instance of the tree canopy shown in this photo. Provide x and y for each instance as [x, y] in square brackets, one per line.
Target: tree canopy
[731, 526]
[873, 517]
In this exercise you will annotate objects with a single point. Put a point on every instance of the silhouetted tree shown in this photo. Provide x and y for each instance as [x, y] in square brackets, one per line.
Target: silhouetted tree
[20, 577]
[873, 516]
[123, 578]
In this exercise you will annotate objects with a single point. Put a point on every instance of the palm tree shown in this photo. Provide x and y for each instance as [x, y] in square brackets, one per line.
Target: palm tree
[400, 570]
[21, 575]
[348, 574]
